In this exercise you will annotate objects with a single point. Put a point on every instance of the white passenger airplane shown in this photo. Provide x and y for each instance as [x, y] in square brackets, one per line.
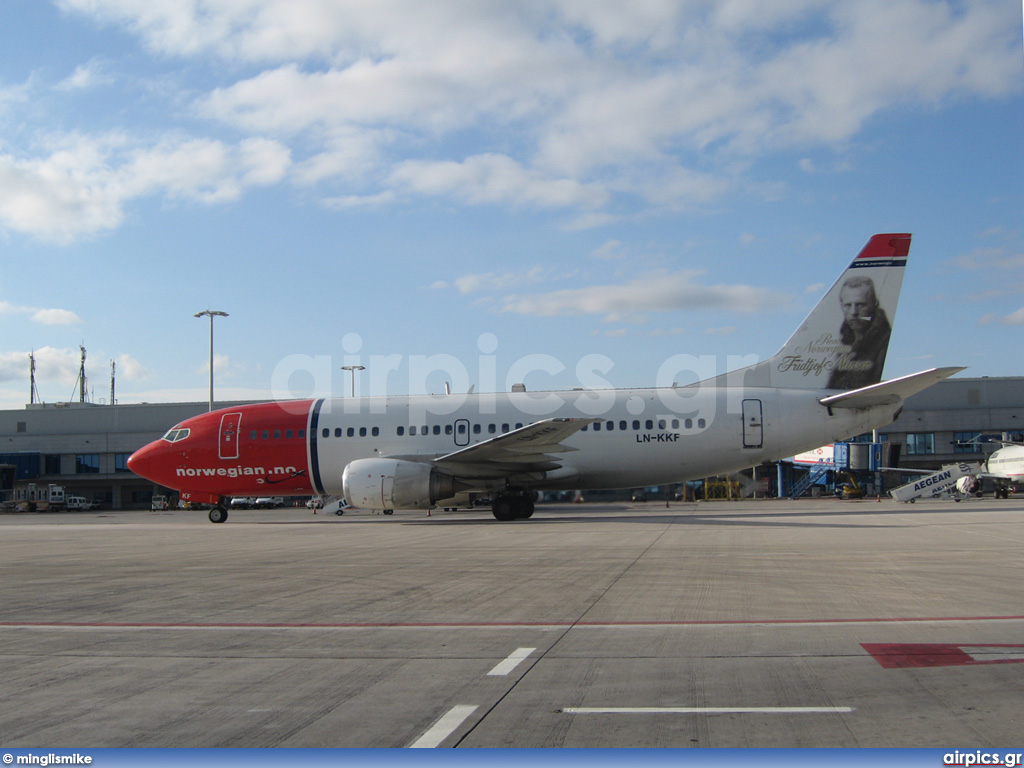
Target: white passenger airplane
[424, 451]
[1005, 466]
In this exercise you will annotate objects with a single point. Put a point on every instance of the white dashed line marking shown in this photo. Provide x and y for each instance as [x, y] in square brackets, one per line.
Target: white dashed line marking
[444, 727]
[514, 660]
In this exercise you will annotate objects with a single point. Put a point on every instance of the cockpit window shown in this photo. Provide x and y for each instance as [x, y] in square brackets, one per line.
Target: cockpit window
[174, 434]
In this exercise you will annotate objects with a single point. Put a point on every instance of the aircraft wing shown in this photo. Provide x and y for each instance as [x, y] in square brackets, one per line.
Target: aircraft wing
[891, 391]
[532, 448]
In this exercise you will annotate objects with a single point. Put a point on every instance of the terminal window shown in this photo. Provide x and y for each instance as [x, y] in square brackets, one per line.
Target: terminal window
[87, 463]
[920, 443]
[963, 442]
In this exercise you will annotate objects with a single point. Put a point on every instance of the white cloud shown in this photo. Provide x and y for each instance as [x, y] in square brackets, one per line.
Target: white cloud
[82, 186]
[56, 317]
[41, 316]
[496, 179]
[613, 250]
[987, 259]
[492, 281]
[360, 201]
[53, 365]
[86, 76]
[664, 292]
[570, 104]
[1014, 318]
[131, 369]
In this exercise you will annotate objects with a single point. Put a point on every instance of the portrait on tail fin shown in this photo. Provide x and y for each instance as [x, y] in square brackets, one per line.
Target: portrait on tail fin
[864, 335]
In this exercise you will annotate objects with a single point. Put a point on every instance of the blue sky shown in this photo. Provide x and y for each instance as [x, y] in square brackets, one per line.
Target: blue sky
[493, 192]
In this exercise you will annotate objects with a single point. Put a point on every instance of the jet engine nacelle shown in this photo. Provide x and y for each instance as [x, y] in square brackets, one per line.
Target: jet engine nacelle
[396, 484]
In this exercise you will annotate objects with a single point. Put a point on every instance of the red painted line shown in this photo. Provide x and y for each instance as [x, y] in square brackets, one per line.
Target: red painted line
[918, 655]
[487, 625]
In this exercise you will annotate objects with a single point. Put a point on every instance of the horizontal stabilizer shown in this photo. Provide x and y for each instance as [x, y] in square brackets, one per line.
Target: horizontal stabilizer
[888, 392]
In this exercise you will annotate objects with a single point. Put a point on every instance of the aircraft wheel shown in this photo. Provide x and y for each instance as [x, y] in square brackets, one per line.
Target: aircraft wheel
[218, 515]
[340, 512]
[389, 511]
[504, 508]
[526, 508]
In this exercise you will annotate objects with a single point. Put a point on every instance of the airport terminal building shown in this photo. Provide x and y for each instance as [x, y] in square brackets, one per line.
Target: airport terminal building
[85, 448]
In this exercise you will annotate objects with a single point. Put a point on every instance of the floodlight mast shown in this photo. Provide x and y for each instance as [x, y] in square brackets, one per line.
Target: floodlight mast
[211, 313]
[353, 369]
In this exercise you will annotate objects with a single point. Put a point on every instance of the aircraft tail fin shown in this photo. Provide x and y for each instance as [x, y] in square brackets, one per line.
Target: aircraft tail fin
[843, 342]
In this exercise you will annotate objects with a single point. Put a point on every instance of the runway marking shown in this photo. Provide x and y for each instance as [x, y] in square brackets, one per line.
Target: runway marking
[266, 626]
[915, 655]
[703, 710]
[514, 660]
[443, 728]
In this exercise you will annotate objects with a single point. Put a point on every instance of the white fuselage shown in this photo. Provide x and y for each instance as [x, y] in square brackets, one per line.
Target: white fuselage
[646, 436]
[1007, 463]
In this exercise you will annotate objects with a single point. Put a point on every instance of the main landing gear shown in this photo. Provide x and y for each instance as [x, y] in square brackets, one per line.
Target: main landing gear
[512, 506]
[218, 514]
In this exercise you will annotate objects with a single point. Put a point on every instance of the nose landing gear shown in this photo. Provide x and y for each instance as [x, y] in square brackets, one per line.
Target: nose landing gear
[218, 514]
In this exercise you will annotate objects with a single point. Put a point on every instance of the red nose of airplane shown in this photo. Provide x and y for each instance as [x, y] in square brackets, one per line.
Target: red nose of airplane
[146, 463]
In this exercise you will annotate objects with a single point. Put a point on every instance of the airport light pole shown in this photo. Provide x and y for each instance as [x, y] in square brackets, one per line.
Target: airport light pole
[352, 369]
[211, 313]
